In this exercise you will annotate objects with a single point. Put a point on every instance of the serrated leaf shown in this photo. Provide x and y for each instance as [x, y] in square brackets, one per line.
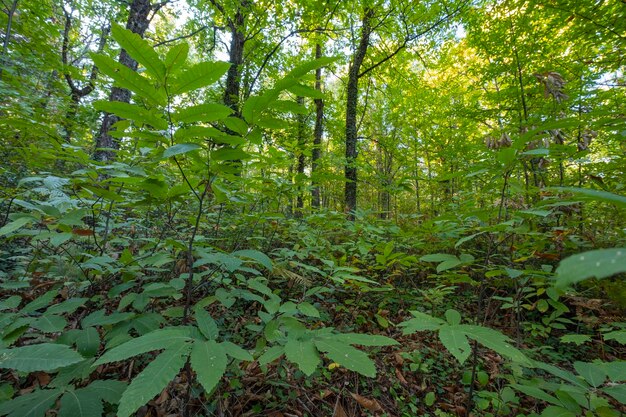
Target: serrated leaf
[237, 352]
[154, 378]
[80, 403]
[616, 391]
[128, 79]
[156, 340]
[455, 341]
[40, 357]
[209, 361]
[601, 263]
[308, 309]
[140, 50]
[35, 404]
[236, 124]
[438, 257]
[255, 255]
[88, 342]
[556, 411]
[50, 323]
[198, 76]
[535, 392]
[132, 112]
[588, 194]
[495, 341]
[230, 154]
[207, 112]
[304, 354]
[618, 335]
[176, 56]
[347, 356]
[39, 302]
[592, 373]
[16, 224]
[206, 324]
[180, 148]
[578, 339]
[364, 339]
[271, 355]
[420, 322]
[108, 390]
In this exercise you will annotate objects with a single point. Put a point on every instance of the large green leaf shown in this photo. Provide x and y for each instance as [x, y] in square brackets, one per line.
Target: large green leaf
[600, 263]
[455, 341]
[50, 323]
[180, 148]
[304, 354]
[421, 322]
[156, 340]
[347, 356]
[206, 324]
[207, 112]
[80, 403]
[40, 357]
[108, 390]
[140, 50]
[364, 339]
[256, 256]
[35, 404]
[132, 112]
[16, 224]
[176, 56]
[589, 194]
[154, 378]
[495, 341]
[594, 374]
[209, 361]
[198, 76]
[129, 79]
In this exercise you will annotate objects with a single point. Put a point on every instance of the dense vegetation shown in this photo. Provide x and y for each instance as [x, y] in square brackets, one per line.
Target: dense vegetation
[312, 208]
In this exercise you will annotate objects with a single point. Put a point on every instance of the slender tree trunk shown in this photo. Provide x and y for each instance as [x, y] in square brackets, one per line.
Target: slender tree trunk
[138, 23]
[7, 36]
[318, 132]
[350, 169]
[237, 42]
[301, 160]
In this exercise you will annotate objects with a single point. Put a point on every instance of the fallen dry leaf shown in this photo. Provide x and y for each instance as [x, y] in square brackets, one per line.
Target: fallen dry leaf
[370, 404]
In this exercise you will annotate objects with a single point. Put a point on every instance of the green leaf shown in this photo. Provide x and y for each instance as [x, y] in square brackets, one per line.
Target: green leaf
[271, 355]
[495, 341]
[305, 91]
[308, 309]
[347, 356]
[154, 378]
[592, 373]
[429, 399]
[420, 323]
[50, 323]
[207, 112]
[108, 390]
[304, 354]
[616, 391]
[536, 392]
[255, 255]
[35, 404]
[39, 302]
[198, 76]
[16, 224]
[80, 403]
[128, 79]
[577, 339]
[601, 263]
[209, 361]
[237, 352]
[230, 154]
[88, 342]
[132, 112]
[438, 257]
[236, 125]
[555, 411]
[180, 148]
[159, 339]
[140, 50]
[453, 317]
[588, 194]
[206, 324]
[364, 339]
[618, 335]
[67, 307]
[40, 357]
[455, 341]
[176, 56]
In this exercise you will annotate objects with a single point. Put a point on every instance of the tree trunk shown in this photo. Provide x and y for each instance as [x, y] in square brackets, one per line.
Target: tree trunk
[350, 169]
[138, 23]
[317, 134]
[7, 36]
[237, 41]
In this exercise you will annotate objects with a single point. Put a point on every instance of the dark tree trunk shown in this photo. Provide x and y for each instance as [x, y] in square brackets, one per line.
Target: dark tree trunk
[138, 23]
[351, 110]
[317, 133]
[237, 42]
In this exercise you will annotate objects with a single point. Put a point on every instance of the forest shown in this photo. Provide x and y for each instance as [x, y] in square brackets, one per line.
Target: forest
[302, 208]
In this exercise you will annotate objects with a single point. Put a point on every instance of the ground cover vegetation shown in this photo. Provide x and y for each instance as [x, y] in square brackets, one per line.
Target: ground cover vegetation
[312, 208]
